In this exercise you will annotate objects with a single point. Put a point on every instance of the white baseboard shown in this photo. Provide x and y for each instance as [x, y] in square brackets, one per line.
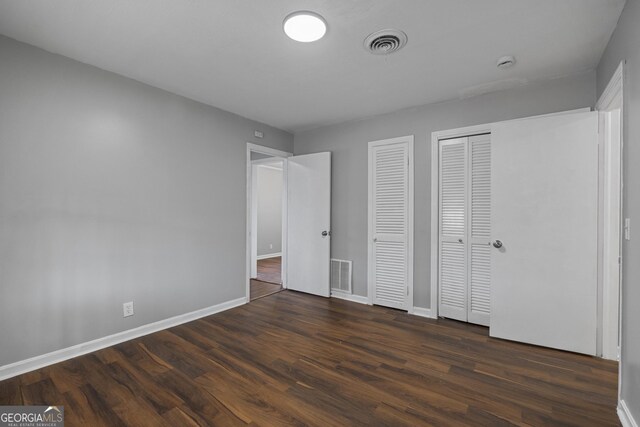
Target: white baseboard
[349, 297]
[265, 256]
[422, 312]
[37, 362]
[626, 419]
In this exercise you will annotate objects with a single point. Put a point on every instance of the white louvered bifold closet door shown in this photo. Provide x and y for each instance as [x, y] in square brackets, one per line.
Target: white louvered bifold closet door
[453, 227]
[389, 224]
[465, 229]
[479, 248]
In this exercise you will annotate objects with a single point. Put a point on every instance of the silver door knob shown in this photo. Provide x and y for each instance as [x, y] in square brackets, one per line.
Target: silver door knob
[497, 244]
[326, 233]
[459, 240]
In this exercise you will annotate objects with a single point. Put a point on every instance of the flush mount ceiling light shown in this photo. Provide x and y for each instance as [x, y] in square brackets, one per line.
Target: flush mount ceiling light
[304, 26]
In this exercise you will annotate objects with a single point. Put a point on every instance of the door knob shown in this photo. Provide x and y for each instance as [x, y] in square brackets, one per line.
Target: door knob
[459, 240]
[497, 244]
[326, 233]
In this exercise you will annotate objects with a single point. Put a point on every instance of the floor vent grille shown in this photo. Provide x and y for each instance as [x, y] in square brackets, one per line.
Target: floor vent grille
[341, 275]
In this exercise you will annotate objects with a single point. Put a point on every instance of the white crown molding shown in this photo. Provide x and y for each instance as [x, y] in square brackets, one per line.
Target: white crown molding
[37, 362]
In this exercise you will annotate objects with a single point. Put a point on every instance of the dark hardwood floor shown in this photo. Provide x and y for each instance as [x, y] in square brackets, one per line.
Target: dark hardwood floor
[261, 289]
[270, 270]
[268, 279]
[295, 359]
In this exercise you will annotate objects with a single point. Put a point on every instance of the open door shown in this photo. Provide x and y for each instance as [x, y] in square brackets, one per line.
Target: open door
[544, 188]
[309, 223]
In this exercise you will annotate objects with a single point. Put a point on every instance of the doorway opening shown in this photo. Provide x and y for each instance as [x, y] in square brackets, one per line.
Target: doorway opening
[267, 208]
[304, 259]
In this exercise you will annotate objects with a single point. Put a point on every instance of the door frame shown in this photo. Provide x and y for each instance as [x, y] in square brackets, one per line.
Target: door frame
[251, 147]
[612, 146]
[410, 222]
[436, 137]
[255, 164]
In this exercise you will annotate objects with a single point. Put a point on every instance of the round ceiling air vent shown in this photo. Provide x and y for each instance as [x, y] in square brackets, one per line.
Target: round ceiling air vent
[385, 42]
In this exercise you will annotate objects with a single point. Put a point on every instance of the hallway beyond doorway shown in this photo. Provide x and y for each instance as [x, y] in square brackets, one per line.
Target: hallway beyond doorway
[270, 270]
[269, 278]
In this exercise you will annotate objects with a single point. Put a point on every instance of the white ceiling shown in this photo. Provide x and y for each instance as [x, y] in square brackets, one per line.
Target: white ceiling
[234, 55]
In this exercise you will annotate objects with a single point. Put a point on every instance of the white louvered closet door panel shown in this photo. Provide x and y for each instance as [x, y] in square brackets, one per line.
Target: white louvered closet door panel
[390, 192]
[479, 248]
[453, 227]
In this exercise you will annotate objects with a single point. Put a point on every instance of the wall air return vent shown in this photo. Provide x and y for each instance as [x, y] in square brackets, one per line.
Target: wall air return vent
[341, 275]
[385, 42]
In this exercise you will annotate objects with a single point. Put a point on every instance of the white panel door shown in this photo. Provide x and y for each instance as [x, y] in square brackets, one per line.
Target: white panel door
[309, 223]
[453, 229]
[544, 211]
[390, 222]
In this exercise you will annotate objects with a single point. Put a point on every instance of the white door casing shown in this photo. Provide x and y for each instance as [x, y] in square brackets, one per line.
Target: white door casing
[610, 106]
[390, 239]
[544, 211]
[612, 233]
[309, 223]
[250, 233]
[254, 220]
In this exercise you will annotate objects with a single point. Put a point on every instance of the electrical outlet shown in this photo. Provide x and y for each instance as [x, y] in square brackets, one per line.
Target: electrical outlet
[127, 309]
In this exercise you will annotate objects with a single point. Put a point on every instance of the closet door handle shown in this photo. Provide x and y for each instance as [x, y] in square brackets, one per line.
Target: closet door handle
[497, 244]
[459, 240]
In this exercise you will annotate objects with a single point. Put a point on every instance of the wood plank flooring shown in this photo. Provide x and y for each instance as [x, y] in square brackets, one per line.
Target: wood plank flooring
[261, 289]
[268, 279]
[270, 270]
[295, 359]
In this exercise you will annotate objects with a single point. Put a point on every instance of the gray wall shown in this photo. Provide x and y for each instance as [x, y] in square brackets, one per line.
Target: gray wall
[111, 191]
[625, 44]
[348, 143]
[269, 210]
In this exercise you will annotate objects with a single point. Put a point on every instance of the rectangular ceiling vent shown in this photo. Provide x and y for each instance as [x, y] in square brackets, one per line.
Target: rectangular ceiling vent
[341, 275]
